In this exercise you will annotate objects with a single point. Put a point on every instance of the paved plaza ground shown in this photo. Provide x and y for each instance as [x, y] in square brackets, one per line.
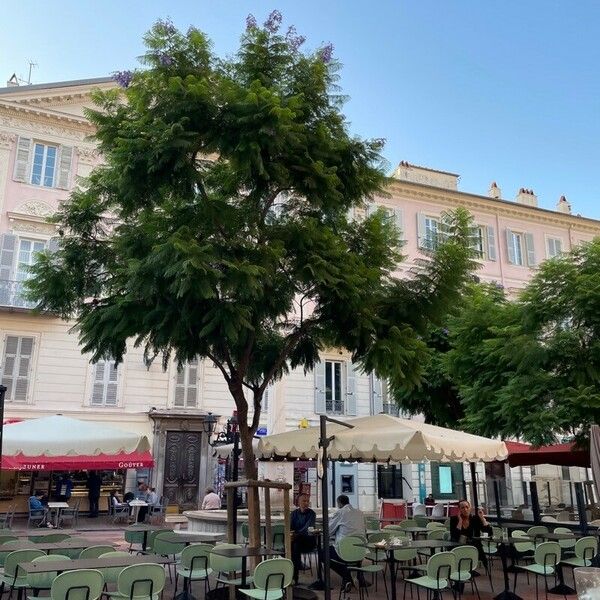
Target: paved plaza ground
[101, 531]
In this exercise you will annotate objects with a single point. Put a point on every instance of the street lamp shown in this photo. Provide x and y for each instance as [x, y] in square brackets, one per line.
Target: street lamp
[230, 434]
[3, 389]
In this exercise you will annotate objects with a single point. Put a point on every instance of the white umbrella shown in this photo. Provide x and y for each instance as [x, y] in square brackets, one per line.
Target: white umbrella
[382, 438]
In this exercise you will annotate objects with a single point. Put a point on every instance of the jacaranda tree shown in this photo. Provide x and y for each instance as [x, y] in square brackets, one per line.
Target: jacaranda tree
[219, 227]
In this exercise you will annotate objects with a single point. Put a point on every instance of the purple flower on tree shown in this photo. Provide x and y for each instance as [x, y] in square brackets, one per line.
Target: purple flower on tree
[167, 26]
[273, 22]
[250, 22]
[327, 53]
[123, 78]
[294, 41]
[165, 59]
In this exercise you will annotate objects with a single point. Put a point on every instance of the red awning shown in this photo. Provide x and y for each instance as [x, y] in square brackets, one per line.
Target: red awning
[122, 460]
[567, 455]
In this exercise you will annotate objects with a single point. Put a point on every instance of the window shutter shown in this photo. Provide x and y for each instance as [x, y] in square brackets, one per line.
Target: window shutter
[53, 244]
[8, 250]
[421, 241]
[192, 384]
[64, 167]
[376, 394]
[320, 408]
[351, 393]
[98, 385]
[23, 367]
[266, 399]
[557, 247]
[510, 247]
[370, 208]
[112, 383]
[179, 399]
[399, 220]
[530, 249]
[22, 159]
[11, 351]
[491, 242]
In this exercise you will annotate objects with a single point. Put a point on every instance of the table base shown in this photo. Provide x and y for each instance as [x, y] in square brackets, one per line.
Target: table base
[507, 595]
[562, 588]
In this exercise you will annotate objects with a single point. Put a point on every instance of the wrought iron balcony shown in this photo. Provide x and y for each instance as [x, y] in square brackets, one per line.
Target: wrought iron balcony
[12, 295]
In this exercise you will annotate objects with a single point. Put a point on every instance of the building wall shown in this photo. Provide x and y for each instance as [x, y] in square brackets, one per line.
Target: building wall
[61, 377]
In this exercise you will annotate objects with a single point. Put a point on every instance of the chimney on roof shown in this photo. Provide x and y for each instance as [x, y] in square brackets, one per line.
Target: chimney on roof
[494, 191]
[13, 81]
[563, 206]
[527, 197]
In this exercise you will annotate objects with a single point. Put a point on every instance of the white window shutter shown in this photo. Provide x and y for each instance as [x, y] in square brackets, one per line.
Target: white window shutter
[558, 246]
[421, 241]
[351, 394]
[8, 249]
[320, 407]
[179, 399]
[399, 220]
[22, 159]
[266, 399]
[112, 383]
[376, 394]
[192, 384]
[53, 244]
[23, 368]
[491, 242]
[510, 247]
[11, 352]
[98, 383]
[529, 246]
[64, 167]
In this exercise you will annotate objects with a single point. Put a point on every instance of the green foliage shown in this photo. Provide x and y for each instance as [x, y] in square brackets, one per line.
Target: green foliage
[531, 368]
[218, 225]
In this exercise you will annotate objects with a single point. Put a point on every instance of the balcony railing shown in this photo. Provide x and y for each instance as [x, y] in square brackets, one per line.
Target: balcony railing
[12, 295]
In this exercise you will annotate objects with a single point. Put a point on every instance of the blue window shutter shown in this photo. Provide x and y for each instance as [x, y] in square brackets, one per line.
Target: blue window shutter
[320, 388]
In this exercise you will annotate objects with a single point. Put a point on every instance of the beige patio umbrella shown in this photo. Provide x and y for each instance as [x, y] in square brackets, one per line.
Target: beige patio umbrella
[382, 438]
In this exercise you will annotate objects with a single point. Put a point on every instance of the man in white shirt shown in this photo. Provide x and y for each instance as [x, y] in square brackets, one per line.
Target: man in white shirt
[346, 521]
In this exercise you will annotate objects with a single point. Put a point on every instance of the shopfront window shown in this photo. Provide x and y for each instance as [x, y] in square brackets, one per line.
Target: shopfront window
[389, 481]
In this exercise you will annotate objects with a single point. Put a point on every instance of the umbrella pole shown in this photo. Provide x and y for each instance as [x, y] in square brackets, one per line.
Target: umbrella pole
[474, 482]
[3, 389]
[323, 443]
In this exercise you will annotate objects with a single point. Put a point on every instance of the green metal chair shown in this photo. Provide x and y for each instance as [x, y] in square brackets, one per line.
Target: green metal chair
[194, 566]
[435, 525]
[372, 523]
[567, 546]
[7, 538]
[405, 558]
[82, 584]
[467, 558]
[352, 552]
[140, 582]
[167, 548]
[421, 521]
[490, 549]
[134, 538]
[278, 539]
[43, 581]
[13, 576]
[437, 578]
[377, 555]
[111, 574]
[538, 531]
[545, 560]
[407, 523]
[51, 538]
[6, 550]
[152, 535]
[585, 550]
[245, 531]
[96, 551]
[223, 566]
[271, 578]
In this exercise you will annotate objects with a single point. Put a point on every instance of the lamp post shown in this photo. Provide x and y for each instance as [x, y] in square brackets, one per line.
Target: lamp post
[229, 435]
[3, 389]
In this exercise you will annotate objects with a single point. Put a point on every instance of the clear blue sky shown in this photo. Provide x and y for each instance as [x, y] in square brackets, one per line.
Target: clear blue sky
[493, 90]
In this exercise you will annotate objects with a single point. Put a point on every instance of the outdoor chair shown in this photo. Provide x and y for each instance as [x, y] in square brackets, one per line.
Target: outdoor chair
[245, 532]
[83, 584]
[404, 560]
[437, 578]
[438, 510]
[8, 538]
[419, 509]
[563, 515]
[140, 582]
[166, 548]
[546, 558]
[120, 513]
[278, 539]
[538, 531]
[111, 574]
[490, 549]
[435, 525]
[223, 566]
[352, 552]
[585, 550]
[70, 514]
[6, 518]
[6, 550]
[467, 558]
[51, 538]
[159, 512]
[407, 523]
[194, 567]
[378, 555]
[134, 538]
[150, 540]
[38, 517]
[271, 578]
[372, 524]
[421, 521]
[567, 546]
[43, 581]
[96, 551]
[14, 577]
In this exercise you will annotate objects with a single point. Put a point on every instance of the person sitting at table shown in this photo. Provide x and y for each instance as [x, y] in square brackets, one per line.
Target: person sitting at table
[114, 501]
[465, 526]
[37, 508]
[211, 501]
[301, 520]
[346, 521]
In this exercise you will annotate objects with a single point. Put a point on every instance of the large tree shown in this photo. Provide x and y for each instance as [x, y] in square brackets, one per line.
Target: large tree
[218, 225]
[531, 368]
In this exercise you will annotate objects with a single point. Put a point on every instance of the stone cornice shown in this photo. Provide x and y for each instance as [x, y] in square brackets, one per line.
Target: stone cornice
[503, 208]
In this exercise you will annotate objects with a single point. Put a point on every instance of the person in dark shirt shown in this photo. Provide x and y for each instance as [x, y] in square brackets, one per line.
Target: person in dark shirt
[465, 526]
[301, 520]
[64, 488]
[94, 483]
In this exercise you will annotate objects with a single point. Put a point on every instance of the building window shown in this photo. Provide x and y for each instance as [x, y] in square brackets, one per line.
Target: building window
[186, 385]
[334, 402]
[43, 167]
[16, 371]
[478, 241]
[446, 480]
[430, 233]
[520, 248]
[553, 247]
[28, 249]
[389, 481]
[105, 383]
[389, 406]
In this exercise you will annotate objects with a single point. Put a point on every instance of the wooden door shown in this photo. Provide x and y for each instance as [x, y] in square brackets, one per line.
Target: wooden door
[182, 468]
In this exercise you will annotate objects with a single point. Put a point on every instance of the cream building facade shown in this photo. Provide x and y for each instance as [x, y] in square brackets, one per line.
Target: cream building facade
[45, 148]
